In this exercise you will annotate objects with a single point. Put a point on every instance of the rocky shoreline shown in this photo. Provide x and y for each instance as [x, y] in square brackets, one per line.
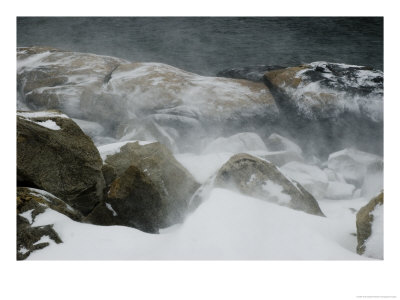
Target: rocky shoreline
[99, 139]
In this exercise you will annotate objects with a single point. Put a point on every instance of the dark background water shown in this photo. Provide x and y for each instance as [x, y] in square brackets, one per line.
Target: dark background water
[208, 45]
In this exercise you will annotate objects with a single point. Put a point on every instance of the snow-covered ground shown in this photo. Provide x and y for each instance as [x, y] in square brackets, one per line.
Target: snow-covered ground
[226, 226]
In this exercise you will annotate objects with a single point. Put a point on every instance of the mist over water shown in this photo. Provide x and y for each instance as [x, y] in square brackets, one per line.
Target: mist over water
[207, 45]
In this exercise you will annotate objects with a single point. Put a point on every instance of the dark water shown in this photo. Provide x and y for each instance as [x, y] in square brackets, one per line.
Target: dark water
[208, 45]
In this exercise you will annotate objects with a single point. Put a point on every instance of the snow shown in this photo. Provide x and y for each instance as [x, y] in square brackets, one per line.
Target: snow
[275, 194]
[44, 239]
[50, 124]
[23, 250]
[27, 215]
[227, 226]
[109, 207]
[41, 114]
[111, 149]
[204, 166]
[374, 244]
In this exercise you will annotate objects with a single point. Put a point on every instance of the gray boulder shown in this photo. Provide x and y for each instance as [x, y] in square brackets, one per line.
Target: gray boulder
[54, 154]
[258, 178]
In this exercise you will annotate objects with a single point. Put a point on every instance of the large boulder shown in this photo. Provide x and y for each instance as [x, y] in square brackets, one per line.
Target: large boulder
[178, 107]
[261, 179]
[151, 189]
[30, 203]
[54, 154]
[341, 105]
[133, 200]
[370, 228]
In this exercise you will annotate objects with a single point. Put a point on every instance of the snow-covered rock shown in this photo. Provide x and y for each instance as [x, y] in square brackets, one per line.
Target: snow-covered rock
[322, 89]
[240, 142]
[328, 106]
[370, 228]
[353, 164]
[261, 179]
[116, 93]
[312, 178]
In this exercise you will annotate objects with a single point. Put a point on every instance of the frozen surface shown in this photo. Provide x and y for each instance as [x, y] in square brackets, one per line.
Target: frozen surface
[226, 226]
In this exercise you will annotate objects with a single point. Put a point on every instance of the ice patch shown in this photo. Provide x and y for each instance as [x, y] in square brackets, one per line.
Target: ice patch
[109, 207]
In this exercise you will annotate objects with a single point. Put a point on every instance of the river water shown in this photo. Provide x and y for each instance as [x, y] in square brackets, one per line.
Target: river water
[207, 45]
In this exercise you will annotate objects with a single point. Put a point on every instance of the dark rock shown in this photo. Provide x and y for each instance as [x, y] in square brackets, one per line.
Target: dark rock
[151, 191]
[364, 222]
[133, 200]
[62, 161]
[34, 202]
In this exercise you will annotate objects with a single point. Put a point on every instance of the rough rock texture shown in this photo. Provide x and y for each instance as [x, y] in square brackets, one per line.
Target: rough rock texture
[364, 222]
[30, 203]
[126, 98]
[54, 154]
[341, 105]
[260, 179]
[133, 200]
[167, 185]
